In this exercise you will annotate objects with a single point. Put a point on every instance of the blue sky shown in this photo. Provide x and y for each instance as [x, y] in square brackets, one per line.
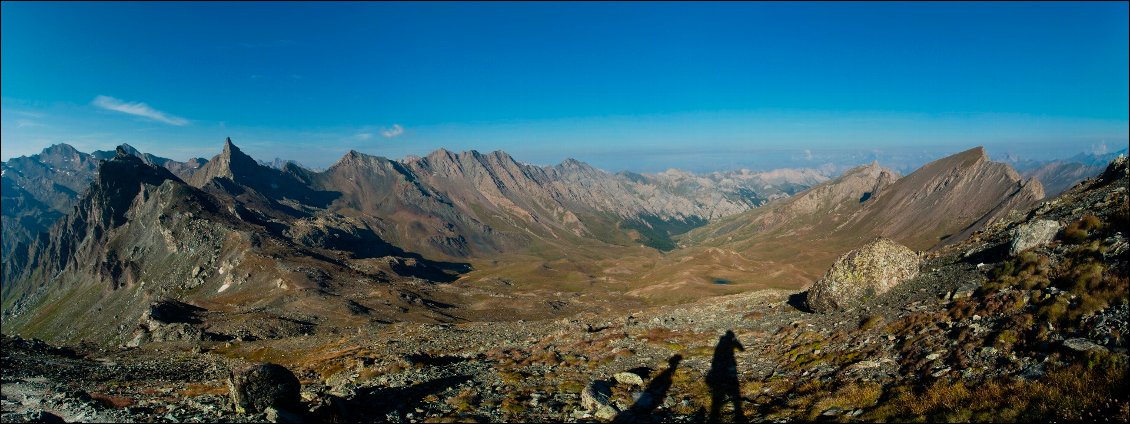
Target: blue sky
[624, 86]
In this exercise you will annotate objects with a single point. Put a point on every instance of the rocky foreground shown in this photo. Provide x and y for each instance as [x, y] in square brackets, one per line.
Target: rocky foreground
[1021, 322]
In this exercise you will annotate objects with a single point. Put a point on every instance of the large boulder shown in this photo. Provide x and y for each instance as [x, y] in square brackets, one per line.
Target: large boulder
[862, 274]
[1032, 234]
[258, 387]
[597, 396]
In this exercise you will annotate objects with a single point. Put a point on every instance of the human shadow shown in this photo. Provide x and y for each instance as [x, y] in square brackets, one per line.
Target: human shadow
[652, 396]
[723, 378]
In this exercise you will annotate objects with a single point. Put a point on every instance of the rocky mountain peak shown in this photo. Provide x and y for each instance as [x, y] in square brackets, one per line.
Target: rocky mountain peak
[130, 150]
[923, 208]
[575, 167]
[870, 170]
[351, 157]
[440, 154]
[971, 157]
[118, 181]
[127, 169]
[231, 163]
[61, 149]
[236, 156]
[356, 161]
[439, 159]
[503, 157]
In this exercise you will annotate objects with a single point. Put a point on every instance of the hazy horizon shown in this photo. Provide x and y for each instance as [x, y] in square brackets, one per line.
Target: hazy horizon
[639, 87]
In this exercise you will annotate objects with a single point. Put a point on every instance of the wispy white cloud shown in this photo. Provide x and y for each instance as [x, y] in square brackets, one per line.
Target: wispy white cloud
[137, 109]
[28, 123]
[363, 136]
[394, 131]
[807, 154]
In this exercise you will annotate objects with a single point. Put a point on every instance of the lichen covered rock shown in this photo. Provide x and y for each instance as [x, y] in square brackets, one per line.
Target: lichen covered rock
[1032, 234]
[862, 274]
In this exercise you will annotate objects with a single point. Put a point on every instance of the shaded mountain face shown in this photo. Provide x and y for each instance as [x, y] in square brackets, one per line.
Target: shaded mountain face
[182, 170]
[140, 236]
[36, 190]
[39, 189]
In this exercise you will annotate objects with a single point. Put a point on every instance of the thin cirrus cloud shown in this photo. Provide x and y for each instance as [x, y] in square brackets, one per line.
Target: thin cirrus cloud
[394, 131]
[137, 109]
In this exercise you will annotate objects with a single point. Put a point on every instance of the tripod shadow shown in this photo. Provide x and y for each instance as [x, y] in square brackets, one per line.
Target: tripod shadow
[652, 396]
[723, 378]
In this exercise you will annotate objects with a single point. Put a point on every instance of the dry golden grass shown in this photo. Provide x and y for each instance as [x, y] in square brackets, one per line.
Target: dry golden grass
[1092, 390]
[852, 396]
[201, 389]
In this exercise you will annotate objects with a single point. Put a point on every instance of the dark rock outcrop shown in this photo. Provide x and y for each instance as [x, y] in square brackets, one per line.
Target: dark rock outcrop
[258, 387]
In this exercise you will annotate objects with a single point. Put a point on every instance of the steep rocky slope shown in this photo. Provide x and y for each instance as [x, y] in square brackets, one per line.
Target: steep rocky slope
[945, 201]
[790, 242]
[39, 189]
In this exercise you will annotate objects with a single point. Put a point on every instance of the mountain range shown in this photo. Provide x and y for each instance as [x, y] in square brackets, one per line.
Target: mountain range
[119, 224]
[1059, 175]
[449, 236]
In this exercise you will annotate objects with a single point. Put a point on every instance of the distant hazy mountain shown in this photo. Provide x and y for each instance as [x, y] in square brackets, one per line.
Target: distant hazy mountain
[38, 189]
[279, 163]
[1059, 175]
